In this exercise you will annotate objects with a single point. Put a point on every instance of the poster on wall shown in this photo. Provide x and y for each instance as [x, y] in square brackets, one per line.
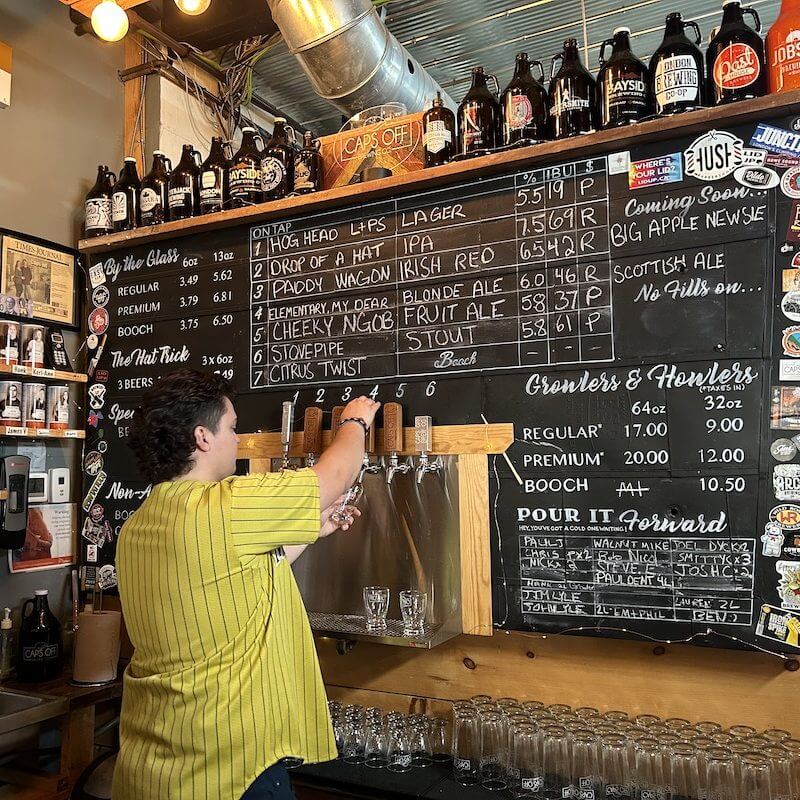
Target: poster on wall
[50, 540]
[41, 279]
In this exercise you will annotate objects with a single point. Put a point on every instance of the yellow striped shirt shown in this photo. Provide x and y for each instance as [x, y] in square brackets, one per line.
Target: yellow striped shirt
[224, 680]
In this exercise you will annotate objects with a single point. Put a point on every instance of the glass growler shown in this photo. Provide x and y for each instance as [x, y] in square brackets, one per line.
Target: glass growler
[573, 94]
[154, 194]
[623, 83]
[783, 49]
[184, 185]
[523, 105]
[308, 166]
[438, 133]
[125, 199]
[277, 163]
[245, 172]
[676, 69]
[214, 189]
[478, 117]
[98, 205]
[40, 653]
[735, 57]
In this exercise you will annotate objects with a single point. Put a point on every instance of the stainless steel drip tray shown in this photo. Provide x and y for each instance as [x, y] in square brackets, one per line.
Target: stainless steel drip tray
[350, 626]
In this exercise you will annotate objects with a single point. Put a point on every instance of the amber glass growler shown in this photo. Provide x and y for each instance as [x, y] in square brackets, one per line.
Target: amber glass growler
[783, 49]
[523, 105]
[478, 117]
[623, 83]
[676, 68]
[573, 95]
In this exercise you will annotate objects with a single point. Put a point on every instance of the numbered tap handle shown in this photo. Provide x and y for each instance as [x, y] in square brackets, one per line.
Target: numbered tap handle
[286, 423]
[392, 427]
[756, 19]
[312, 430]
[541, 68]
[698, 37]
[558, 57]
[336, 418]
[605, 43]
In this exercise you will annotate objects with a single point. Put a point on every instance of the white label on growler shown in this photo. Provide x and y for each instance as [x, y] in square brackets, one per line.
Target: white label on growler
[676, 80]
[149, 199]
[302, 175]
[210, 191]
[272, 173]
[98, 213]
[436, 136]
[627, 91]
[119, 207]
[177, 195]
[570, 102]
[245, 179]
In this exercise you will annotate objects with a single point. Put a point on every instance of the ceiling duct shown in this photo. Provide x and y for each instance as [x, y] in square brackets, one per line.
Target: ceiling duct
[350, 57]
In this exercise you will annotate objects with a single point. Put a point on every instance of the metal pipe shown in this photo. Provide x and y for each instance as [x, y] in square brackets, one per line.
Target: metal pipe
[350, 57]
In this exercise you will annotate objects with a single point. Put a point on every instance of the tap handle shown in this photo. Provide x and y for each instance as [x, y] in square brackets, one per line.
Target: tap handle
[369, 445]
[392, 428]
[423, 434]
[312, 430]
[336, 417]
[286, 423]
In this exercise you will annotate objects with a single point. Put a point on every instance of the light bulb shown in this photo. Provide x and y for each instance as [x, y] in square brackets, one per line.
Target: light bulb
[193, 7]
[109, 21]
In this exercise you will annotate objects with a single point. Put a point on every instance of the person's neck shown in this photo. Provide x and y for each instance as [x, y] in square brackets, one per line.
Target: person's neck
[200, 472]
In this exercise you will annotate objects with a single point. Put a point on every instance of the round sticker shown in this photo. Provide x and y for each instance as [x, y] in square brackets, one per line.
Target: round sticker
[92, 341]
[790, 305]
[98, 321]
[790, 182]
[791, 341]
[92, 463]
[787, 516]
[102, 446]
[96, 512]
[100, 296]
[796, 124]
[755, 177]
[783, 450]
[97, 396]
[736, 66]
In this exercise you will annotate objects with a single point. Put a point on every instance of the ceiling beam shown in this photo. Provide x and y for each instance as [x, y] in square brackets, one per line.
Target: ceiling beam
[86, 7]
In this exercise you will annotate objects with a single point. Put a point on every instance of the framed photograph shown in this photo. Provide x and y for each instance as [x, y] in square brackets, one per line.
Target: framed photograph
[50, 540]
[40, 278]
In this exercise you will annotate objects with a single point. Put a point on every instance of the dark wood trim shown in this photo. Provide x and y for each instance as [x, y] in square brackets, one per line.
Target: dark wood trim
[590, 144]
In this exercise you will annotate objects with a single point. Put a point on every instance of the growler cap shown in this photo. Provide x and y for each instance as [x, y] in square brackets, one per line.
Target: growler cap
[570, 42]
[159, 153]
[130, 158]
[522, 55]
[280, 119]
[248, 129]
[623, 29]
[731, 2]
[41, 593]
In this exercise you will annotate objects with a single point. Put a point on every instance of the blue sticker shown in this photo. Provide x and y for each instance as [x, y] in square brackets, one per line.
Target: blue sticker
[776, 140]
[654, 171]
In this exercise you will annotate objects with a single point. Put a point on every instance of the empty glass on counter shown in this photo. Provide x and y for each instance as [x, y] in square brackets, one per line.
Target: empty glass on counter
[413, 605]
[398, 750]
[376, 603]
[466, 747]
[493, 746]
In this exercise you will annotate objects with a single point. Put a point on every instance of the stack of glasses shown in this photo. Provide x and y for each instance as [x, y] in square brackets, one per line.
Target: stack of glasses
[559, 752]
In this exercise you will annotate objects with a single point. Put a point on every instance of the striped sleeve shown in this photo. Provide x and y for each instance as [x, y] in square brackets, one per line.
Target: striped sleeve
[274, 509]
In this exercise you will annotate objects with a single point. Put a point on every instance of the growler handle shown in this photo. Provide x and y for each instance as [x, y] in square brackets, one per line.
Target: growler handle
[112, 175]
[541, 69]
[556, 57]
[227, 150]
[602, 59]
[259, 140]
[198, 159]
[496, 83]
[168, 162]
[292, 133]
[692, 24]
[754, 14]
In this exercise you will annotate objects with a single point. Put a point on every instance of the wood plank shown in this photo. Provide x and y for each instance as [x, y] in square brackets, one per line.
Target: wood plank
[133, 121]
[476, 557]
[6, 57]
[87, 6]
[534, 156]
[447, 440]
[728, 687]
[41, 372]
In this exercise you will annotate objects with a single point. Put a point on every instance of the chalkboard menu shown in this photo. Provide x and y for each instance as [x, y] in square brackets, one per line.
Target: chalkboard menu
[622, 310]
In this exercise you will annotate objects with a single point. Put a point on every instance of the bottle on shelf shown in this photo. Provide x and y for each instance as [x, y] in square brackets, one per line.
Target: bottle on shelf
[98, 205]
[125, 198]
[478, 117]
[184, 185]
[214, 188]
[6, 645]
[735, 57]
[623, 83]
[277, 163]
[40, 652]
[676, 69]
[308, 166]
[438, 133]
[524, 105]
[573, 94]
[154, 194]
[783, 49]
[245, 172]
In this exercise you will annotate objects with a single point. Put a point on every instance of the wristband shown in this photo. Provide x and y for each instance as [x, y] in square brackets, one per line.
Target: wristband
[357, 420]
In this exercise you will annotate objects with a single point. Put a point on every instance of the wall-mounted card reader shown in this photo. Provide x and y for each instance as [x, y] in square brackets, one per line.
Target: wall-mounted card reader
[14, 472]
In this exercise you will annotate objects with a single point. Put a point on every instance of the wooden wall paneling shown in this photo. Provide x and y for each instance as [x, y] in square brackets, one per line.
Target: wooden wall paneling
[134, 122]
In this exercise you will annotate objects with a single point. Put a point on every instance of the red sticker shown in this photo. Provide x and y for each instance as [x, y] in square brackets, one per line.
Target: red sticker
[736, 66]
[98, 321]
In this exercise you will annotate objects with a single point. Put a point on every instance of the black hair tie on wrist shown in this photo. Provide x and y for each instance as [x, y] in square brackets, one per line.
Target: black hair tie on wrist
[357, 420]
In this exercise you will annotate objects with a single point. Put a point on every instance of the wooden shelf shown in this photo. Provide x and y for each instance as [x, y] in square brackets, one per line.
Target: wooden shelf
[41, 433]
[536, 155]
[43, 372]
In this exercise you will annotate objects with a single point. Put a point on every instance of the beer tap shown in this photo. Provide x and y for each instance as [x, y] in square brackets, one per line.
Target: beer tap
[393, 440]
[312, 434]
[336, 416]
[423, 444]
[287, 420]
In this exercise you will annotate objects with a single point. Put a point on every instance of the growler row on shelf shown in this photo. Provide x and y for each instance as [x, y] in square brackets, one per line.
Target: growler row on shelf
[184, 185]
[245, 172]
[214, 188]
[277, 163]
[438, 134]
[523, 105]
[783, 48]
[677, 69]
[154, 194]
[736, 68]
[573, 94]
[125, 199]
[623, 83]
[98, 204]
[478, 117]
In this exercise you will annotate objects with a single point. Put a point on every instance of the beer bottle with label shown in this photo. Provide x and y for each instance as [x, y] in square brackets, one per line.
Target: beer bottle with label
[523, 105]
[214, 189]
[154, 195]
[245, 172]
[573, 94]
[438, 133]
[783, 49]
[184, 185]
[308, 166]
[277, 163]
[98, 205]
[125, 199]
[623, 83]
[676, 69]
[478, 117]
[40, 653]
[735, 57]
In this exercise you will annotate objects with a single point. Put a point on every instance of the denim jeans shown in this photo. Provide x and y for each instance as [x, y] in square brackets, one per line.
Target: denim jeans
[272, 784]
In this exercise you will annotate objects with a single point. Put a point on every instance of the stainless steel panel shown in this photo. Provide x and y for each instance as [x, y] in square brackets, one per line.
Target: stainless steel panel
[20, 709]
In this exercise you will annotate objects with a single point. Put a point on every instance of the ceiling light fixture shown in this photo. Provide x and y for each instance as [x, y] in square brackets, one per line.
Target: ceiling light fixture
[109, 21]
[193, 7]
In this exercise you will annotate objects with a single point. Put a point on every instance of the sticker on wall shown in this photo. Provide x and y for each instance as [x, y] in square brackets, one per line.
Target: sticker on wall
[790, 278]
[779, 626]
[101, 478]
[98, 321]
[91, 553]
[92, 464]
[754, 157]
[714, 155]
[92, 340]
[772, 539]
[788, 370]
[787, 516]
[618, 163]
[97, 275]
[92, 532]
[781, 162]
[97, 512]
[97, 396]
[776, 140]
[754, 177]
[790, 340]
[790, 304]
[790, 182]
[94, 418]
[789, 584]
[783, 450]
[786, 481]
[107, 576]
[100, 296]
[792, 550]
[655, 171]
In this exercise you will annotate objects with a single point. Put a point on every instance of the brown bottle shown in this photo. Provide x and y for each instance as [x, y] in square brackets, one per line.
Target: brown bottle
[676, 68]
[245, 172]
[623, 83]
[277, 163]
[214, 188]
[478, 118]
[154, 195]
[523, 105]
[125, 200]
[308, 166]
[573, 95]
[438, 133]
[98, 205]
[184, 185]
[40, 654]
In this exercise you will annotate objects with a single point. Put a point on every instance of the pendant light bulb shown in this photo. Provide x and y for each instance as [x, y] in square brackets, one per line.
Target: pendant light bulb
[193, 7]
[109, 21]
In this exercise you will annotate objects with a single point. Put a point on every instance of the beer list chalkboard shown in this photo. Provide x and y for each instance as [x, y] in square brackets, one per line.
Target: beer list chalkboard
[626, 332]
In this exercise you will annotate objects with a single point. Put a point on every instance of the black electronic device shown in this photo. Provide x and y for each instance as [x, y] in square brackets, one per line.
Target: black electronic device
[55, 353]
[14, 472]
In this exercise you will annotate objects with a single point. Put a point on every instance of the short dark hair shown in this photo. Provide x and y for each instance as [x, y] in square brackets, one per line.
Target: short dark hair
[162, 431]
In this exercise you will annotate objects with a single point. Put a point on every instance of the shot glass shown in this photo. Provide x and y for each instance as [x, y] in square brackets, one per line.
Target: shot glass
[376, 603]
[343, 515]
[413, 605]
